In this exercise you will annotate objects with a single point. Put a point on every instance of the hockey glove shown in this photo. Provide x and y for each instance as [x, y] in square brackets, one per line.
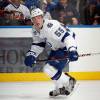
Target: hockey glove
[30, 59]
[73, 55]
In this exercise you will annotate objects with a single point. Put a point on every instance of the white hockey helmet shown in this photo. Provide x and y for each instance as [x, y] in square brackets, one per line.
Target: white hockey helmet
[36, 12]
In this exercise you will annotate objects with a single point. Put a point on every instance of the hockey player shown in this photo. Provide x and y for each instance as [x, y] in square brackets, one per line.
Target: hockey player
[62, 43]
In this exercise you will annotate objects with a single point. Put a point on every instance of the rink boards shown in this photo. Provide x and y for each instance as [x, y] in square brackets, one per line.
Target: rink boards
[87, 68]
[16, 77]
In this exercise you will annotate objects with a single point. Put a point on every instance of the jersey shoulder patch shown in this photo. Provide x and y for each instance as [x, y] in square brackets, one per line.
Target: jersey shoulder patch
[49, 25]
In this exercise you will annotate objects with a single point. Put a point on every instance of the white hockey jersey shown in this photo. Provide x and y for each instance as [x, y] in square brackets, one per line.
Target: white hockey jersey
[54, 34]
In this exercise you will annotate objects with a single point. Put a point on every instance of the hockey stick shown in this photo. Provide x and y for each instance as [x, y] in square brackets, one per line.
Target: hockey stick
[66, 57]
[89, 54]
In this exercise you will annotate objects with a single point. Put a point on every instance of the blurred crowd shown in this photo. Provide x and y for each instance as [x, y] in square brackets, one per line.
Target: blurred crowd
[68, 12]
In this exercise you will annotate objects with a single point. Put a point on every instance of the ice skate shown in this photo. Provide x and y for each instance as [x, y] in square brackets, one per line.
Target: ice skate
[66, 89]
[71, 85]
[60, 91]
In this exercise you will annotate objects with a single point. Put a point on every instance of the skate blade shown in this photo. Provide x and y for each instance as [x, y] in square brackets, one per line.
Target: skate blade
[60, 96]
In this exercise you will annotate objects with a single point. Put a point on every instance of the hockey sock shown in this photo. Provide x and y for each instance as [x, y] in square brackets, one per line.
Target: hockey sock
[62, 81]
[60, 78]
[51, 71]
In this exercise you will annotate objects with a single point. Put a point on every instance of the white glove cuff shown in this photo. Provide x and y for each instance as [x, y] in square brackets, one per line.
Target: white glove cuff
[31, 53]
[72, 48]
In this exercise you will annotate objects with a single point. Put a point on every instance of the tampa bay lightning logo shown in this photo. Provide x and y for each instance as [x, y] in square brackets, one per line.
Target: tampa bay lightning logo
[49, 25]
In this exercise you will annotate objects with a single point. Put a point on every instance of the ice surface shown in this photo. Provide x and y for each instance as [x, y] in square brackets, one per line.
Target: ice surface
[86, 90]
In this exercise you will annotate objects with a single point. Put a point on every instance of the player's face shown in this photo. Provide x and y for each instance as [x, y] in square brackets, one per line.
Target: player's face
[38, 21]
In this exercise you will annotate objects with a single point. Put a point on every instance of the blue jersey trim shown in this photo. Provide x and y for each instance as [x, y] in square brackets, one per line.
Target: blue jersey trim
[63, 38]
[57, 75]
[42, 44]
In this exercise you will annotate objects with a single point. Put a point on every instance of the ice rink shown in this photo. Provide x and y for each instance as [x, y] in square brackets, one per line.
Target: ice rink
[86, 90]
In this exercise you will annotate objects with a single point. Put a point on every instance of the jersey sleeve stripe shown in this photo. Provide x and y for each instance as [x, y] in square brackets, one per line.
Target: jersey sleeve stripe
[63, 38]
[57, 75]
[42, 44]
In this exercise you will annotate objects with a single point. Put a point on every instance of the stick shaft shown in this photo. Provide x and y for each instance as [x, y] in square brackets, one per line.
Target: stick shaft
[66, 57]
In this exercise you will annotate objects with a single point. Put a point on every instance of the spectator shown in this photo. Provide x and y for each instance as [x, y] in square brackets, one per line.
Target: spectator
[32, 4]
[4, 3]
[55, 1]
[97, 14]
[73, 2]
[74, 21]
[62, 17]
[98, 7]
[90, 11]
[82, 5]
[50, 5]
[18, 11]
[96, 20]
[63, 6]
[46, 13]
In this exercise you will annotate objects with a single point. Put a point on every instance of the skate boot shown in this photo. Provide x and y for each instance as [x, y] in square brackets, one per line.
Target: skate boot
[72, 82]
[60, 91]
[66, 89]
